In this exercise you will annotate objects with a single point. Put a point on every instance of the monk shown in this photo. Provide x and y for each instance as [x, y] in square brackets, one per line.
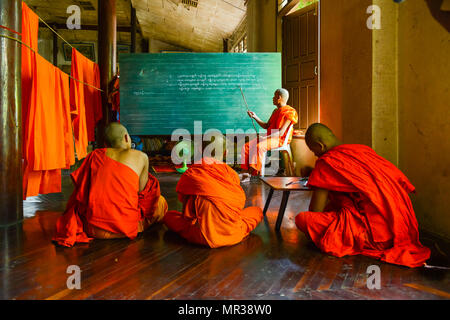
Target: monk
[360, 203]
[114, 196]
[277, 128]
[213, 206]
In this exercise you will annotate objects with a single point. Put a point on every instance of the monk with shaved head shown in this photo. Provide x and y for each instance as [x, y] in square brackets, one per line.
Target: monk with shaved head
[114, 196]
[278, 125]
[360, 203]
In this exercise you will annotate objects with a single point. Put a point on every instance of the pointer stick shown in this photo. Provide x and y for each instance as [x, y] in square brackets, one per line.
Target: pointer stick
[249, 110]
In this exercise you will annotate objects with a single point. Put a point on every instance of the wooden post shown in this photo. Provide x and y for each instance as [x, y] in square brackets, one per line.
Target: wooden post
[10, 115]
[107, 34]
[225, 45]
[133, 29]
[55, 48]
[145, 45]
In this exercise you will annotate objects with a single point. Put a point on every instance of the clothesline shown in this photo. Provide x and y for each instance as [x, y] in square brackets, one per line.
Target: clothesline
[15, 39]
[11, 30]
[55, 32]
[21, 42]
[71, 47]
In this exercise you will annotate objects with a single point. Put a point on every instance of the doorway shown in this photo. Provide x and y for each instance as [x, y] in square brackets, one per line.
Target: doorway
[300, 63]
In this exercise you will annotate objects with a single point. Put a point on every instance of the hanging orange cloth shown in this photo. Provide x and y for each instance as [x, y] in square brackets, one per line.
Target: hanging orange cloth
[45, 147]
[45, 105]
[85, 101]
[63, 97]
[106, 196]
[252, 152]
[369, 211]
[44, 181]
[213, 206]
[30, 29]
[47, 116]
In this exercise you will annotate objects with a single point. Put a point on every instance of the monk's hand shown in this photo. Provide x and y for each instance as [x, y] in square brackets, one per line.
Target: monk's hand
[251, 114]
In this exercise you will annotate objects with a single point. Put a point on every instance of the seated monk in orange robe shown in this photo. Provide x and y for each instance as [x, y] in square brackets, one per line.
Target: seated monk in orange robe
[213, 206]
[277, 129]
[360, 203]
[114, 196]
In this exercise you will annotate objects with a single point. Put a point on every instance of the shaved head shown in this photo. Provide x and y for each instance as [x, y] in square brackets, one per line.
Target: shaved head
[284, 94]
[114, 134]
[320, 138]
[318, 132]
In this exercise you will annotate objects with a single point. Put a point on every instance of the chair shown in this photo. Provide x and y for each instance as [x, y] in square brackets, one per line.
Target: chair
[285, 147]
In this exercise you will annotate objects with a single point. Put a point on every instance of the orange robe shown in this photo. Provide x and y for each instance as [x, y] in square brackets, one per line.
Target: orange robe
[85, 101]
[106, 196]
[30, 29]
[47, 131]
[369, 210]
[253, 151]
[63, 96]
[48, 141]
[213, 201]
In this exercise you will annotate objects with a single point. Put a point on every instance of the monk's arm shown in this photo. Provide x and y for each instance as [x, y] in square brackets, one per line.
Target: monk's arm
[319, 200]
[282, 130]
[143, 178]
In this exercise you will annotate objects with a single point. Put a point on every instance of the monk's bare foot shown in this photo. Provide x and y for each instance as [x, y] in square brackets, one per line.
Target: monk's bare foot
[244, 177]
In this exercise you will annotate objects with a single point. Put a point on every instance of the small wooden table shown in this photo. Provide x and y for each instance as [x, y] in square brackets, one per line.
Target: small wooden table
[283, 184]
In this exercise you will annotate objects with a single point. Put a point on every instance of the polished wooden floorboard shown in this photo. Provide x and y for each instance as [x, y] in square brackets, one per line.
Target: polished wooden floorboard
[161, 265]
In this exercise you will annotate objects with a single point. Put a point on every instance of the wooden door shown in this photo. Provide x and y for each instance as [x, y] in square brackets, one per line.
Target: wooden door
[300, 63]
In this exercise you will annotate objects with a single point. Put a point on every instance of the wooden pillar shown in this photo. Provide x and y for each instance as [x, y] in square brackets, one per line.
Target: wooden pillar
[262, 26]
[133, 29]
[10, 115]
[55, 48]
[145, 45]
[107, 34]
[225, 45]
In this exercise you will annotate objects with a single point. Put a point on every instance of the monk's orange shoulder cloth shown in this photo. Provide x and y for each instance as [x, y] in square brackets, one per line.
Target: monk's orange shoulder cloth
[279, 117]
[380, 195]
[219, 203]
[107, 196]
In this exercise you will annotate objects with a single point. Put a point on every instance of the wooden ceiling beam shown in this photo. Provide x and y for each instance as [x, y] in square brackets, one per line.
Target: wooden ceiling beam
[288, 7]
[62, 26]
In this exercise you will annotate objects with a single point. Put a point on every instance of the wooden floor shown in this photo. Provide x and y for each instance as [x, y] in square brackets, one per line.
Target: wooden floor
[161, 265]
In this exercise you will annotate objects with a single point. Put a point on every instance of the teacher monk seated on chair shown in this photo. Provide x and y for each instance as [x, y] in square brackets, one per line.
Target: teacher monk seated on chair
[114, 196]
[360, 203]
[213, 206]
[277, 128]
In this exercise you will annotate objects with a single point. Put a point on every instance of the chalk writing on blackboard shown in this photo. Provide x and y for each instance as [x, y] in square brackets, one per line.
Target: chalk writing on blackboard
[201, 82]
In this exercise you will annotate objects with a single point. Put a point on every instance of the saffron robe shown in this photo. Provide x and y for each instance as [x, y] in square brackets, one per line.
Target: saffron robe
[213, 201]
[48, 141]
[253, 151]
[30, 29]
[85, 101]
[369, 210]
[47, 131]
[106, 196]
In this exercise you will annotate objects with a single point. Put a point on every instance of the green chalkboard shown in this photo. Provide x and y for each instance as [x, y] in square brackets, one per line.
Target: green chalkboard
[162, 92]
